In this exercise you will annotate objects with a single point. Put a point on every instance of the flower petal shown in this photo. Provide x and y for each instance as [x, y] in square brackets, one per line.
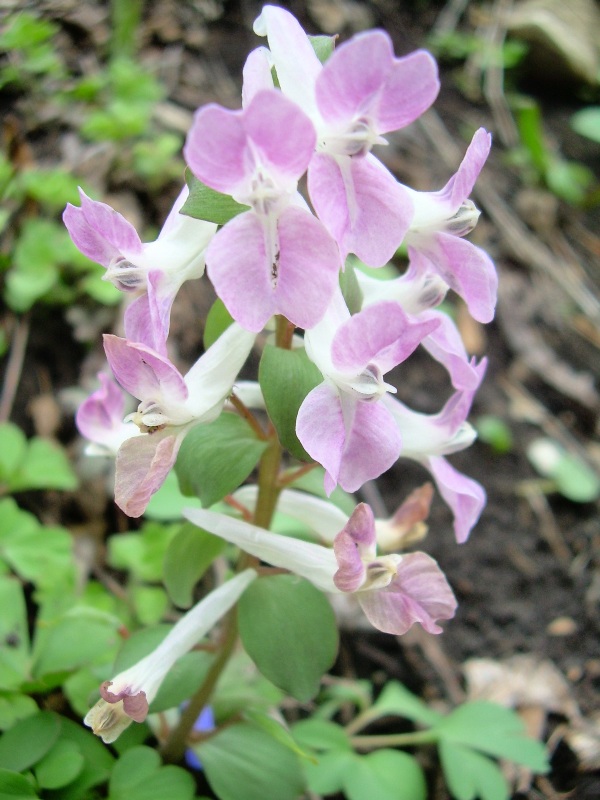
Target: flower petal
[468, 270]
[216, 148]
[380, 334]
[144, 373]
[461, 184]
[418, 593]
[354, 543]
[465, 496]
[100, 232]
[361, 204]
[142, 466]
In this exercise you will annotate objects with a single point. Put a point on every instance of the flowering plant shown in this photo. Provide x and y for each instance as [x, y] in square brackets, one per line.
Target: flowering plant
[292, 265]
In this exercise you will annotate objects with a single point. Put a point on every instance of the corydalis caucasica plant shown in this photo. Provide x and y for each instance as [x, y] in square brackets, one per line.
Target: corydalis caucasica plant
[279, 255]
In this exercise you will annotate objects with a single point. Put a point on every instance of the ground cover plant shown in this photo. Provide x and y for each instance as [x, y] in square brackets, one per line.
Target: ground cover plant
[204, 640]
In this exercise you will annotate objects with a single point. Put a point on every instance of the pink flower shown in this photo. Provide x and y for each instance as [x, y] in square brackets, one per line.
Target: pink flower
[276, 258]
[340, 423]
[360, 93]
[100, 418]
[441, 219]
[157, 269]
[427, 438]
[170, 406]
[394, 591]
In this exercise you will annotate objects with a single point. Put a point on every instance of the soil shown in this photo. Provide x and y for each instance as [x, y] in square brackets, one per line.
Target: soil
[528, 579]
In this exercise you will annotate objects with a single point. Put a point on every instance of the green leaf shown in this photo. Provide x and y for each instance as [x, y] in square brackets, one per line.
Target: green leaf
[142, 553]
[150, 603]
[471, 775]
[13, 446]
[244, 761]
[41, 555]
[284, 614]
[134, 767]
[385, 775]
[98, 761]
[13, 707]
[167, 504]
[495, 432]
[242, 686]
[396, 700]
[286, 377]
[60, 766]
[323, 46]
[188, 556]
[572, 476]
[215, 459]
[29, 740]
[218, 320]
[13, 786]
[351, 290]
[321, 734]
[494, 730]
[14, 635]
[587, 122]
[72, 640]
[45, 466]
[207, 204]
[328, 774]
[275, 729]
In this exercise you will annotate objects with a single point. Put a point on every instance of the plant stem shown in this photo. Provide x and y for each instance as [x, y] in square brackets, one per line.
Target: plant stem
[393, 740]
[174, 748]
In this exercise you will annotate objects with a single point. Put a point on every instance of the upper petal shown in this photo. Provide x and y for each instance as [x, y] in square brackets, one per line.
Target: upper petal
[461, 184]
[144, 373]
[354, 543]
[360, 203]
[293, 55]
[216, 148]
[382, 334]
[100, 232]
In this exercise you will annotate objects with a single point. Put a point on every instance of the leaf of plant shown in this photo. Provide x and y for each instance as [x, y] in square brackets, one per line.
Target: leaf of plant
[97, 757]
[168, 502]
[29, 740]
[138, 775]
[275, 729]
[43, 556]
[385, 775]
[143, 552]
[217, 458]
[60, 766]
[396, 700]
[188, 556]
[134, 766]
[14, 653]
[288, 628]
[286, 377]
[150, 603]
[15, 706]
[575, 480]
[72, 640]
[328, 774]
[587, 123]
[244, 760]
[494, 730]
[207, 204]
[217, 321]
[241, 686]
[470, 775]
[323, 46]
[14, 786]
[350, 288]
[321, 734]
[45, 466]
[13, 445]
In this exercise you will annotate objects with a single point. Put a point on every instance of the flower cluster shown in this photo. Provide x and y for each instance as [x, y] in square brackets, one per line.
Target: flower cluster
[313, 123]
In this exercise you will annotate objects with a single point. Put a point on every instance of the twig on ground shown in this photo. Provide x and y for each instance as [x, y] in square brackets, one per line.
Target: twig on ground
[14, 367]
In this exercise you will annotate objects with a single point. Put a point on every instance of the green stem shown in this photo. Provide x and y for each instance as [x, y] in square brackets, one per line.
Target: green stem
[393, 740]
[174, 748]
